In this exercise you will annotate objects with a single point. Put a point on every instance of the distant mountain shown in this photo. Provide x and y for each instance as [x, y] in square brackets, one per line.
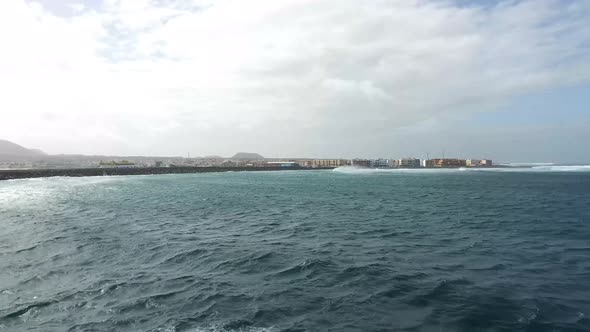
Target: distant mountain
[13, 151]
[247, 156]
[213, 157]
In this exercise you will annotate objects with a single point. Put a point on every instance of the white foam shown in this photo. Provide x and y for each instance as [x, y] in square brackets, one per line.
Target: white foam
[364, 170]
[574, 168]
[535, 169]
[538, 169]
[527, 164]
[215, 328]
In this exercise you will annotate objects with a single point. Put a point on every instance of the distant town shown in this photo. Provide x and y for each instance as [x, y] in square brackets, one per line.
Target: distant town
[13, 156]
[306, 163]
[53, 162]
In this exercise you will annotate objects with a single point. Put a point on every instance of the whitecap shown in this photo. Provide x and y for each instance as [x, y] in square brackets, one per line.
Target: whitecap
[572, 168]
[365, 170]
[216, 328]
[535, 169]
[526, 164]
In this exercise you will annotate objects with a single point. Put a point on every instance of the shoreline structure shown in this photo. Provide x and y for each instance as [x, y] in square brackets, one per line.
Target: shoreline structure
[80, 172]
[12, 174]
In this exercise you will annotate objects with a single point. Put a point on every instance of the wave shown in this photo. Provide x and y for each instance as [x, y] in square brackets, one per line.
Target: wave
[219, 328]
[512, 169]
[23, 310]
[575, 168]
[534, 169]
[364, 170]
[526, 164]
[308, 266]
[71, 180]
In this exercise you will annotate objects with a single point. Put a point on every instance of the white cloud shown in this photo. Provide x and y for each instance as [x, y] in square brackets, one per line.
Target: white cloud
[277, 77]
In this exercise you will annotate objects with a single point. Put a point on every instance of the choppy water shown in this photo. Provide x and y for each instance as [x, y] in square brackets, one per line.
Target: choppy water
[298, 251]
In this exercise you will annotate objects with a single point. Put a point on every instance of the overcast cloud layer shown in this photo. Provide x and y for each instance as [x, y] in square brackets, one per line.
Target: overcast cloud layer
[332, 78]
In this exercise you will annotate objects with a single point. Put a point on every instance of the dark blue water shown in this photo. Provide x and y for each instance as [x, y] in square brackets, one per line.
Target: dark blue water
[297, 251]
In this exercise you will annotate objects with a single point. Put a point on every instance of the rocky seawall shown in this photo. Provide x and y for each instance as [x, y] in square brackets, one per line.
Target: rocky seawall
[78, 172]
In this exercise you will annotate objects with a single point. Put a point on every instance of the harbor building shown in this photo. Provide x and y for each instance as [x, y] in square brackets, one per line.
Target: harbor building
[360, 163]
[408, 163]
[282, 164]
[320, 163]
[448, 162]
[381, 163]
[478, 163]
[329, 163]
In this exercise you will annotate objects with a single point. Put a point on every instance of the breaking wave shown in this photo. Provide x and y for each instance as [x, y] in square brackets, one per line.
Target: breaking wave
[513, 169]
[364, 170]
[579, 168]
[534, 169]
[526, 164]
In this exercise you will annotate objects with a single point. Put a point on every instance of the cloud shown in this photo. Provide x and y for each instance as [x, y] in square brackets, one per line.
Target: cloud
[278, 77]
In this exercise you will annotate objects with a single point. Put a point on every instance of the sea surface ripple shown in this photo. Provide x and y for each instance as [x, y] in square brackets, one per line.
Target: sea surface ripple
[297, 251]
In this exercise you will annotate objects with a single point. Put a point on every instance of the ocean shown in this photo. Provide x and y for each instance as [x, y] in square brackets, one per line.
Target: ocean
[342, 250]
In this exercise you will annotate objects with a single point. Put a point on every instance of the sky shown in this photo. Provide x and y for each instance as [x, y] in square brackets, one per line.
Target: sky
[507, 80]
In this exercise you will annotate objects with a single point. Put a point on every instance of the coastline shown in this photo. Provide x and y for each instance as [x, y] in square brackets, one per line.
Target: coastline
[81, 172]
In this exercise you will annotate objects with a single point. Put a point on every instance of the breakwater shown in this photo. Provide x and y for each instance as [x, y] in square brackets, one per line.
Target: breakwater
[78, 172]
